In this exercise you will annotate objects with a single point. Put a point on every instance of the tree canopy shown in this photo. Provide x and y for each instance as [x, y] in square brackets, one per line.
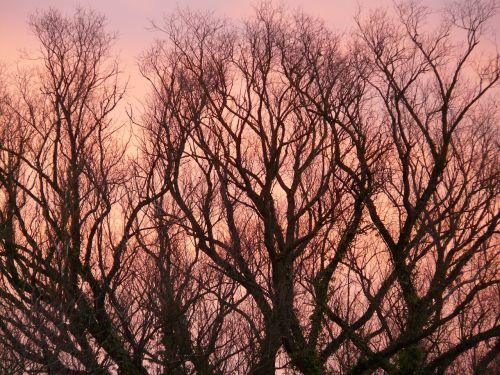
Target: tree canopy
[293, 200]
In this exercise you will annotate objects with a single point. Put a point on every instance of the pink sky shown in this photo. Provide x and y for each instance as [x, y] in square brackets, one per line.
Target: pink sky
[131, 19]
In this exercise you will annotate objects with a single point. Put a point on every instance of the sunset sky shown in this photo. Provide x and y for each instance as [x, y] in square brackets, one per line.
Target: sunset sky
[268, 195]
[131, 19]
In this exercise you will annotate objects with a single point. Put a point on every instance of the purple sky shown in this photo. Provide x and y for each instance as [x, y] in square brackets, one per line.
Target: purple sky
[131, 19]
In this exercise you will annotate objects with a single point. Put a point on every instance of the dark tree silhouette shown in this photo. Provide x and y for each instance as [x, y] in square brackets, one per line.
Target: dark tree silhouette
[62, 267]
[349, 188]
[297, 200]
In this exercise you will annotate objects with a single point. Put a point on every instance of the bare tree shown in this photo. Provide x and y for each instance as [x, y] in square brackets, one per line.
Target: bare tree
[93, 279]
[349, 188]
[62, 267]
[301, 201]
